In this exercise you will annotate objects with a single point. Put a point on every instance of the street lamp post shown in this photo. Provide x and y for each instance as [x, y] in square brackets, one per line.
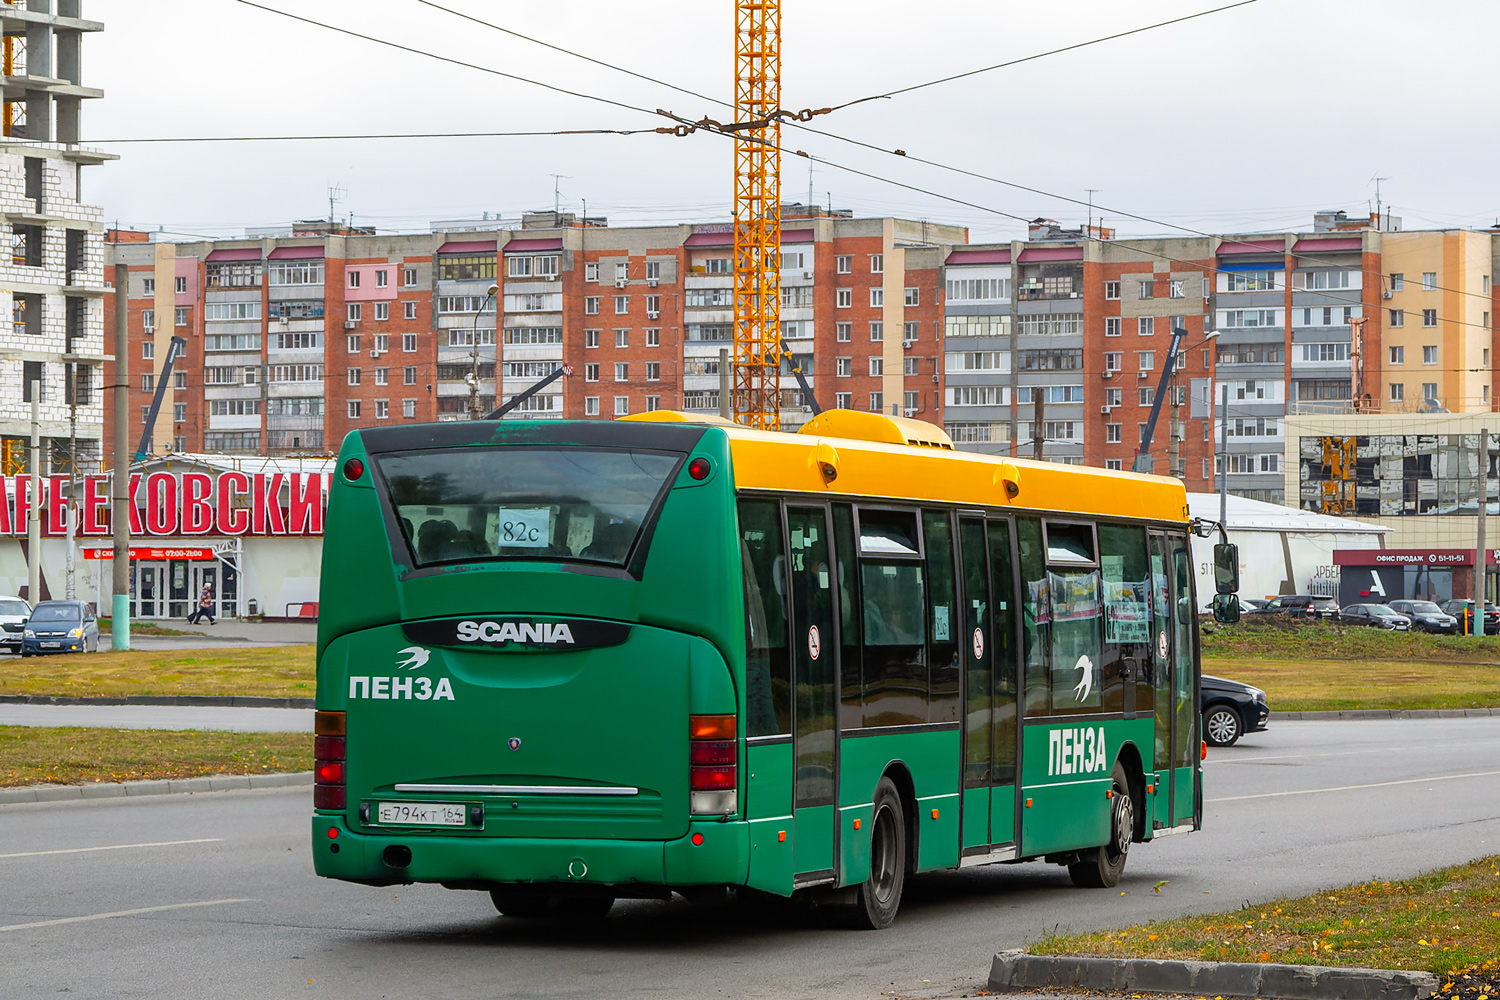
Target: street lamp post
[476, 411]
[1143, 451]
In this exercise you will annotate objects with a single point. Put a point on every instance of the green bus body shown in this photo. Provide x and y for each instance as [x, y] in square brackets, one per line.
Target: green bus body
[989, 763]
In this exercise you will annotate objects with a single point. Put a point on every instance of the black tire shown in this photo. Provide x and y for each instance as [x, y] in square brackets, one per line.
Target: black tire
[528, 902]
[521, 901]
[879, 896]
[1222, 726]
[1102, 867]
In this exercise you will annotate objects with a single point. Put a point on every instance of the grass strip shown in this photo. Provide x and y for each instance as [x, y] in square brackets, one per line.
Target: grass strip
[1308, 685]
[1446, 922]
[268, 671]
[1286, 638]
[67, 755]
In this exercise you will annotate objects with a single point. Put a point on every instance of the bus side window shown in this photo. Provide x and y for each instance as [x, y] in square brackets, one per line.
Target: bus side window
[942, 617]
[894, 618]
[768, 687]
[1127, 614]
[846, 560]
[1036, 614]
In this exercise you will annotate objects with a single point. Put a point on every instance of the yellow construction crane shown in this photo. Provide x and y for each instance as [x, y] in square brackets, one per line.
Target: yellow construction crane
[757, 213]
[15, 50]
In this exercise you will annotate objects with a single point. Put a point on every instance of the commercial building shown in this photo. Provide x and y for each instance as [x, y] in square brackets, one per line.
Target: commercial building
[51, 281]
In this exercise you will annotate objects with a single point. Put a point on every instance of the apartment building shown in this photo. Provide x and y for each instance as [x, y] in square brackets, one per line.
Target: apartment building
[52, 278]
[299, 335]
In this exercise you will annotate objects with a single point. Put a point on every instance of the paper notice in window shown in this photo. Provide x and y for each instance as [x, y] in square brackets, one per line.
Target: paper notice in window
[524, 528]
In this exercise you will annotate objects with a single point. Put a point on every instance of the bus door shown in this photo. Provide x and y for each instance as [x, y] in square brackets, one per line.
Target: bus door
[815, 673]
[1172, 619]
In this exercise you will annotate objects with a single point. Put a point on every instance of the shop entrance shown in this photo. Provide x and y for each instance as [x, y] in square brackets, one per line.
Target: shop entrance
[169, 588]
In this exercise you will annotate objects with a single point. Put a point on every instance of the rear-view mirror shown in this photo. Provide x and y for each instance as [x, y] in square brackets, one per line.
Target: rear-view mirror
[1226, 568]
[1226, 608]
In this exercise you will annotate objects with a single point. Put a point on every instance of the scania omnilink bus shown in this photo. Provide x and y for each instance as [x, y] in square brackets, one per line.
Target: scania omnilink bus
[574, 661]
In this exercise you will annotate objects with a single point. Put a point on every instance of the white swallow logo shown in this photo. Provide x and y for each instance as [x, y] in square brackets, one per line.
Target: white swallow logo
[416, 658]
[1086, 683]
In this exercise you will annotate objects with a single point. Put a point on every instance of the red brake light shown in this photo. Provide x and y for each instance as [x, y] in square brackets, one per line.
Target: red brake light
[705, 752]
[328, 797]
[353, 469]
[699, 468]
[328, 772]
[328, 748]
[708, 779]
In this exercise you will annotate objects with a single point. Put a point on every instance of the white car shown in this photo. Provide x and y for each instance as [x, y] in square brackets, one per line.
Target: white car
[13, 611]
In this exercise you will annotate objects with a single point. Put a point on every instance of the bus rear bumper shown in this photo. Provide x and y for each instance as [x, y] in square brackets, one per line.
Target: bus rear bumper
[721, 857]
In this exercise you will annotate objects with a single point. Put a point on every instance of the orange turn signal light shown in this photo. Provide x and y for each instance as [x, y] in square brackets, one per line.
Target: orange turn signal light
[1203, 752]
[329, 724]
[711, 727]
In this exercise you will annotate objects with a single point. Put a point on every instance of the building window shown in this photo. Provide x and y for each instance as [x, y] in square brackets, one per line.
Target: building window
[843, 367]
[408, 408]
[179, 379]
[653, 305]
[353, 409]
[653, 371]
[353, 376]
[409, 343]
[622, 371]
[1113, 361]
[653, 403]
[591, 372]
[1398, 392]
[409, 277]
[1113, 397]
[1429, 391]
[1112, 326]
[382, 409]
[591, 338]
[877, 402]
[1398, 355]
[877, 331]
[180, 286]
[353, 279]
[1429, 317]
[409, 375]
[1429, 354]
[653, 270]
[382, 310]
[1145, 326]
[1114, 463]
[591, 406]
[591, 305]
[148, 320]
[382, 376]
[1112, 433]
[409, 310]
[717, 265]
[1147, 360]
[843, 332]
[148, 350]
[909, 332]
[843, 298]
[653, 336]
[843, 401]
[148, 383]
[1112, 291]
[1429, 281]
[1398, 317]
[877, 263]
[877, 298]
[355, 311]
[622, 406]
[1148, 289]
[148, 286]
[844, 263]
[622, 305]
[1398, 281]
[1175, 289]
[181, 316]
[1147, 395]
[591, 272]
[913, 296]
[622, 338]
[380, 279]
[877, 365]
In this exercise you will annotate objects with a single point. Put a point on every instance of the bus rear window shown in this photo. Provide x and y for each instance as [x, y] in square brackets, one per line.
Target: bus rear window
[466, 504]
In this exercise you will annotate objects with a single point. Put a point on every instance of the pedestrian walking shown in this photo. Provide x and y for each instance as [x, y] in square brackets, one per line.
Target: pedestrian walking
[205, 608]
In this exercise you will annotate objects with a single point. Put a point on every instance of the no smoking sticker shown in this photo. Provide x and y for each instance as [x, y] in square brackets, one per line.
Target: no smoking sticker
[1161, 644]
[979, 644]
[814, 643]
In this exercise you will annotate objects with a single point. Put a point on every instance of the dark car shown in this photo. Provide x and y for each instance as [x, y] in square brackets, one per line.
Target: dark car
[1426, 616]
[60, 627]
[1458, 606]
[1376, 616]
[1231, 709]
[1299, 606]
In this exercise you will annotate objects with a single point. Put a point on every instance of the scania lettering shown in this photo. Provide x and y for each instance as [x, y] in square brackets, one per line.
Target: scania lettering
[567, 662]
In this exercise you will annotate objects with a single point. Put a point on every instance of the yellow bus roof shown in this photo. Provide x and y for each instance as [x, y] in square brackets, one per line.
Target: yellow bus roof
[926, 471]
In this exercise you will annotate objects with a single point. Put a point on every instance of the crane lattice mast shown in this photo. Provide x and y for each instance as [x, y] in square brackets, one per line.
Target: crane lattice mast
[757, 214]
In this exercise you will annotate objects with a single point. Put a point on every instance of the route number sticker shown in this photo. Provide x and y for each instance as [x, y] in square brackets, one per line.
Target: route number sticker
[979, 644]
[524, 528]
[814, 642]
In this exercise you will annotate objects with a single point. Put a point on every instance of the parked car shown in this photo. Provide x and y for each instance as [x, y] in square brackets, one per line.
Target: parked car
[1231, 709]
[1375, 615]
[13, 615]
[1458, 606]
[1299, 606]
[1426, 616]
[60, 627]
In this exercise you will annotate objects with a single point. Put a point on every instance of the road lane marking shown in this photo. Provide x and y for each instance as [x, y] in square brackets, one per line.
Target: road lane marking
[113, 847]
[1346, 753]
[1350, 788]
[120, 913]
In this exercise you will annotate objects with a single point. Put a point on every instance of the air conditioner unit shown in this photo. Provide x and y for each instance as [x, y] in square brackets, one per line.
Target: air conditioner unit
[807, 274]
[374, 353]
[653, 282]
[1387, 294]
[350, 324]
[286, 319]
[619, 282]
[1142, 375]
[934, 379]
[906, 345]
[1107, 375]
[1106, 409]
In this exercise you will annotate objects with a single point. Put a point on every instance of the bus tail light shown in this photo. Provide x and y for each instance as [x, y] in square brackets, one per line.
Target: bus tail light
[329, 754]
[713, 759]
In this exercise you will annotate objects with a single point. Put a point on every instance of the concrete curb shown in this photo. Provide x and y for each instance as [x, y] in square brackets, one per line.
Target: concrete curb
[131, 789]
[1016, 970]
[178, 701]
[1359, 714]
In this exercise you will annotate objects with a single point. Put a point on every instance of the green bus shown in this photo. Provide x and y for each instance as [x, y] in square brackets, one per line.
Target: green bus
[568, 662]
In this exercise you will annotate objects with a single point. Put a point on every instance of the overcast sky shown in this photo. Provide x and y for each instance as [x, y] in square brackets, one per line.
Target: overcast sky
[1243, 120]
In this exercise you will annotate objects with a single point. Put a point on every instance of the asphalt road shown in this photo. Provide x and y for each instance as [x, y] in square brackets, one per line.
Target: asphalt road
[232, 909]
[242, 720]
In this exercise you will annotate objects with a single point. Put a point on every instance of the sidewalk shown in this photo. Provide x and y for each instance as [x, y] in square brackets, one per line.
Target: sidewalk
[238, 720]
[229, 632]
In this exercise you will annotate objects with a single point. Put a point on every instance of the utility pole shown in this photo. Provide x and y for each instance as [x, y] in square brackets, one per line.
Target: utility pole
[34, 513]
[1038, 428]
[476, 410]
[1482, 562]
[726, 385]
[1174, 437]
[1357, 359]
[1224, 459]
[119, 511]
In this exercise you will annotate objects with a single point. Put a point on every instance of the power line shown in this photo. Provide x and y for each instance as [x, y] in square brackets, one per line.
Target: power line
[385, 135]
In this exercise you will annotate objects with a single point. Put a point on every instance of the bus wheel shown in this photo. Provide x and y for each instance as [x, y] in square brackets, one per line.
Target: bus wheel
[877, 899]
[522, 901]
[1102, 867]
[531, 902]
